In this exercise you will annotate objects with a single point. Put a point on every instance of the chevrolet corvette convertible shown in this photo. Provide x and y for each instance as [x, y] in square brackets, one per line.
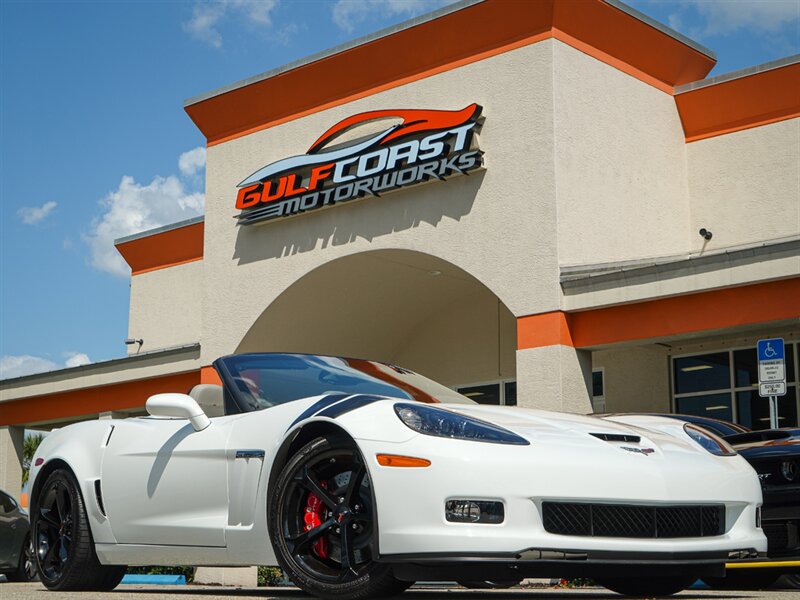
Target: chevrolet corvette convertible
[358, 478]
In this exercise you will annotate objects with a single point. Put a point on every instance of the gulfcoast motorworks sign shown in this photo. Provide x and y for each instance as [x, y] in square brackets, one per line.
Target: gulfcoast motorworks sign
[427, 144]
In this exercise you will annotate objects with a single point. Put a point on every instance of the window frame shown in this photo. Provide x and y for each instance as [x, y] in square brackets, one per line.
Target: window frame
[732, 390]
[601, 398]
[501, 382]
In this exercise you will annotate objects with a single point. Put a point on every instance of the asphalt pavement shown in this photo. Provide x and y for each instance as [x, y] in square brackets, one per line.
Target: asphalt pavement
[35, 591]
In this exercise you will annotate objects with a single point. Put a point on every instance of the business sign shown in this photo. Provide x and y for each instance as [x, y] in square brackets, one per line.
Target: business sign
[771, 367]
[425, 145]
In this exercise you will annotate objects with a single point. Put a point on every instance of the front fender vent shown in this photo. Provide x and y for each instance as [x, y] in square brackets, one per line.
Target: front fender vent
[617, 437]
[98, 494]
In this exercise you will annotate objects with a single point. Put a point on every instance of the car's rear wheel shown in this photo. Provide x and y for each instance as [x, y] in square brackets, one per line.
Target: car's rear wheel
[792, 580]
[62, 541]
[27, 565]
[647, 587]
[322, 521]
[743, 579]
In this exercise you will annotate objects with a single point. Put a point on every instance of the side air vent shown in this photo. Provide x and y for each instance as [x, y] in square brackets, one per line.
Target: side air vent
[99, 495]
[617, 437]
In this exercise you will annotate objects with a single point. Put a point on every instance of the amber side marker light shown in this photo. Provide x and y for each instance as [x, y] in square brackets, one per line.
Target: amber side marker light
[392, 460]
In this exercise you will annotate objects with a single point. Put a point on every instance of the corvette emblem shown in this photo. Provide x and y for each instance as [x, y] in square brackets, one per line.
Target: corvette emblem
[645, 451]
[789, 470]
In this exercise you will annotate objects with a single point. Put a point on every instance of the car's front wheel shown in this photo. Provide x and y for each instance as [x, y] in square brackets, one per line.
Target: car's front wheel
[648, 587]
[322, 520]
[62, 541]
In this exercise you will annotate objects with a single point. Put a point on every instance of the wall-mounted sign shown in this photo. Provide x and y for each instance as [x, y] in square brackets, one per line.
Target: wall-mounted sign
[427, 144]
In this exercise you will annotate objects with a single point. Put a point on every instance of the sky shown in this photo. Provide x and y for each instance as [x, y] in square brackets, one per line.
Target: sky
[95, 145]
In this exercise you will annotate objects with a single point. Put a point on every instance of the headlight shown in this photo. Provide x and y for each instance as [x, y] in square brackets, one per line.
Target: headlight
[716, 445]
[443, 423]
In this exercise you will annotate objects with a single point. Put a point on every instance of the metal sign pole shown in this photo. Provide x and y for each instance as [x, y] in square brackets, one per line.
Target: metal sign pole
[773, 412]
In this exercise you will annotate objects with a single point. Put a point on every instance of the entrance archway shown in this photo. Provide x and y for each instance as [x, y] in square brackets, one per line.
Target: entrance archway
[398, 306]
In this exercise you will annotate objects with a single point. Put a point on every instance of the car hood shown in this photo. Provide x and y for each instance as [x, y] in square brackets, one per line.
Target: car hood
[539, 425]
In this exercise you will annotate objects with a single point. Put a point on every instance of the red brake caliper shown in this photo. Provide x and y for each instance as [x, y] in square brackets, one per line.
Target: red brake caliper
[315, 510]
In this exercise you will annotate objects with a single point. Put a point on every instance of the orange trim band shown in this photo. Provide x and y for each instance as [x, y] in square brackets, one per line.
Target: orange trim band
[210, 375]
[545, 329]
[166, 249]
[743, 103]
[450, 41]
[652, 319]
[87, 401]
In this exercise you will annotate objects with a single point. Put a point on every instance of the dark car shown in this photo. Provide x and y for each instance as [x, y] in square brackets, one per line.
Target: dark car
[775, 456]
[16, 551]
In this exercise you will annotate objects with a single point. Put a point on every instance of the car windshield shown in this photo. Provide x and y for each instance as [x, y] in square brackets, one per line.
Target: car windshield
[258, 381]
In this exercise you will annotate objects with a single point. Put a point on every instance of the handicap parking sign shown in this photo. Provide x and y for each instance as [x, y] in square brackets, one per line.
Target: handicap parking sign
[770, 349]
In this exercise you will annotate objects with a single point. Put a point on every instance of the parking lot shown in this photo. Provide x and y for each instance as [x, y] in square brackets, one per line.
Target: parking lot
[35, 591]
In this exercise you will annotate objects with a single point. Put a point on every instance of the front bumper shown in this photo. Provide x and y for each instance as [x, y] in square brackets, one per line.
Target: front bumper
[410, 502]
[554, 564]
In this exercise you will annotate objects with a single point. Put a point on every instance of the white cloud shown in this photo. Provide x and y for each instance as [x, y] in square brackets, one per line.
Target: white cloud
[760, 16]
[76, 359]
[134, 207]
[17, 366]
[347, 14]
[31, 215]
[193, 161]
[25, 364]
[206, 17]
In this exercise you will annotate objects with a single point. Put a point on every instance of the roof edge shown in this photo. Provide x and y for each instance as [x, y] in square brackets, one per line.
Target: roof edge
[371, 37]
[157, 230]
[738, 74]
[662, 28]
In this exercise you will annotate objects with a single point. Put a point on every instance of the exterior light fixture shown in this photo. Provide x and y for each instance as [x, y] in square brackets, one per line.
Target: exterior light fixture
[132, 341]
[705, 234]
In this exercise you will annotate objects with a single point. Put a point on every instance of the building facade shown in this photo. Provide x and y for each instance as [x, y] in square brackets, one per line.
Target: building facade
[624, 234]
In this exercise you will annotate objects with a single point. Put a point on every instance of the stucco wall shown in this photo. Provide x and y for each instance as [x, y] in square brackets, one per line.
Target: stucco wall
[165, 306]
[619, 164]
[498, 225]
[745, 186]
[636, 378]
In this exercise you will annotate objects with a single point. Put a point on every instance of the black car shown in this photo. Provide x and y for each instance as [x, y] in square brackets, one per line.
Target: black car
[16, 551]
[775, 456]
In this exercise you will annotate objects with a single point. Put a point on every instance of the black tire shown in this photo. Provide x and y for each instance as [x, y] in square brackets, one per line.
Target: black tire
[26, 571]
[743, 579]
[333, 559]
[489, 585]
[647, 587]
[62, 540]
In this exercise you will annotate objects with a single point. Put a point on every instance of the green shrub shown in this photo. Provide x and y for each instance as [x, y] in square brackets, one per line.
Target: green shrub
[269, 576]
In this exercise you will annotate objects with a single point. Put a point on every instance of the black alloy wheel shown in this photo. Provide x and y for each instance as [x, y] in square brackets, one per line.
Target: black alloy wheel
[322, 522]
[54, 528]
[26, 571]
[648, 587]
[63, 548]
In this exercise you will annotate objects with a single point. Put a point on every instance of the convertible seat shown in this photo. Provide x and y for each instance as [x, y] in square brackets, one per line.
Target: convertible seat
[210, 398]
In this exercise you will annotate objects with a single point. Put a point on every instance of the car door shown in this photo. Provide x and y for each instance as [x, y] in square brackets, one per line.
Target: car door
[165, 483]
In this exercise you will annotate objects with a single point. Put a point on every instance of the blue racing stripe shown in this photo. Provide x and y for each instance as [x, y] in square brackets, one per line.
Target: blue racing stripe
[347, 405]
[317, 406]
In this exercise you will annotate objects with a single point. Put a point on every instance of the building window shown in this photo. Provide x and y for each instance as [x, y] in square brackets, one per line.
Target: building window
[724, 385]
[493, 392]
[598, 391]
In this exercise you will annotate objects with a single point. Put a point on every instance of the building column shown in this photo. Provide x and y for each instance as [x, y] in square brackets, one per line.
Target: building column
[11, 442]
[551, 373]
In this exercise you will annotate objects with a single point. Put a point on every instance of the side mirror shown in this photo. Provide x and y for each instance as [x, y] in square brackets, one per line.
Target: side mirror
[178, 406]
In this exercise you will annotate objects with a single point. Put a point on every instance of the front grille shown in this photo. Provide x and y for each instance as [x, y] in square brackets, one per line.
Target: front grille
[633, 521]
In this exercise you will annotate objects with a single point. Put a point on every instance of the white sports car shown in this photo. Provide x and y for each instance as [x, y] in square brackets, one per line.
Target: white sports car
[359, 478]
